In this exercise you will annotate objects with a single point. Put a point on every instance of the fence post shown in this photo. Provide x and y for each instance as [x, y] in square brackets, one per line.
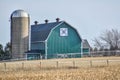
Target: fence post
[90, 63]
[5, 66]
[22, 65]
[73, 64]
[107, 62]
[40, 64]
[57, 64]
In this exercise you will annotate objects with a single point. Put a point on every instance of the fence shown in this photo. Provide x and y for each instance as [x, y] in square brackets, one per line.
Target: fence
[66, 55]
[78, 55]
[104, 53]
[56, 64]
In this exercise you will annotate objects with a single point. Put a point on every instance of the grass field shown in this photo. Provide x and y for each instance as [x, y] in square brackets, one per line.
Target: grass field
[99, 70]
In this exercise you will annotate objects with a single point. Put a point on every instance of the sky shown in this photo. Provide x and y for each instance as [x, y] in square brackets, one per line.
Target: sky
[89, 17]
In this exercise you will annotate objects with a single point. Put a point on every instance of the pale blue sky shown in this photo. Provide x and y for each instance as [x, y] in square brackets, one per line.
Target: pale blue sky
[89, 17]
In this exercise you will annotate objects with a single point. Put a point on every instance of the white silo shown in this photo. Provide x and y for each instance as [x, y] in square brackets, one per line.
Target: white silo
[20, 22]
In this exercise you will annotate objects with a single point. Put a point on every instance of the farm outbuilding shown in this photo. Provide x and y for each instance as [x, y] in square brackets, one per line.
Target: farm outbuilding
[86, 47]
[43, 41]
[54, 40]
[20, 20]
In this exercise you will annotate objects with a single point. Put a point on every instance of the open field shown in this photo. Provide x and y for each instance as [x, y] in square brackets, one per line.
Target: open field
[95, 73]
[100, 68]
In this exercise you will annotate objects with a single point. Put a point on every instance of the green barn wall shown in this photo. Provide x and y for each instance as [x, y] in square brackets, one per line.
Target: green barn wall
[57, 44]
[38, 46]
[86, 51]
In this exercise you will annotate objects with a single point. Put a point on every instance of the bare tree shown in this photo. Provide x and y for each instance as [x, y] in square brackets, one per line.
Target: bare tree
[109, 38]
[98, 44]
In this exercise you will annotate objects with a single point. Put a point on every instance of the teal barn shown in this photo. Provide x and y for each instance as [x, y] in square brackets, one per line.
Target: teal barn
[54, 40]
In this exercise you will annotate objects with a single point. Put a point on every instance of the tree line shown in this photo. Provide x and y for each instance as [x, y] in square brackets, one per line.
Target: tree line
[108, 40]
[5, 52]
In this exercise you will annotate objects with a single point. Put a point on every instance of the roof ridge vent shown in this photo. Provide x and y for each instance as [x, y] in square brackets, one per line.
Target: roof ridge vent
[57, 19]
[46, 21]
[36, 22]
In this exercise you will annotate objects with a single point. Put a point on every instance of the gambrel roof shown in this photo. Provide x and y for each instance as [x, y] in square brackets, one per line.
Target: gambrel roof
[40, 32]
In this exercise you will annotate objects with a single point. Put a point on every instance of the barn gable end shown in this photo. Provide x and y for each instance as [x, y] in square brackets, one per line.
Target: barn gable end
[66, 44]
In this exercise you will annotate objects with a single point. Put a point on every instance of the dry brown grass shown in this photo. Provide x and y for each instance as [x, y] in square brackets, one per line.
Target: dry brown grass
[62, 63]
[94, 73]
[49, 71]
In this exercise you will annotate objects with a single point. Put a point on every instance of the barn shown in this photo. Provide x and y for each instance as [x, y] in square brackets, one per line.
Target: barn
[54, 40]
[86, 47]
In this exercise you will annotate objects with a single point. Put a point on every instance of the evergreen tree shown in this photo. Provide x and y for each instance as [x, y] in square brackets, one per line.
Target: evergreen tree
[1, 51]
[7, 51]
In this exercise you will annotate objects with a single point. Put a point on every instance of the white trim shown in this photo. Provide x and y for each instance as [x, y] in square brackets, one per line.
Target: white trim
[89, 51]
[46, 49]
[82, 48]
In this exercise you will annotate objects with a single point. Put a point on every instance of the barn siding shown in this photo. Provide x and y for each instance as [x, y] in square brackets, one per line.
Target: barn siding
[86, 51]
[38, 46]
[63, 44]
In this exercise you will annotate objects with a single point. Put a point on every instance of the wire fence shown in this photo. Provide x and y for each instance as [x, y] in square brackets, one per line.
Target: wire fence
[102, 53]
[39, 56]
[56, 64]
[77, 55]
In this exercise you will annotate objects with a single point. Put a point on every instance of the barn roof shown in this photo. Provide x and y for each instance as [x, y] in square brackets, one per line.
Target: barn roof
[40, 32]
[85, 44]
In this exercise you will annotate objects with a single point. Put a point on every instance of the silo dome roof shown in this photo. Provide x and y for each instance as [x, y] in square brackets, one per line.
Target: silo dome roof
[19, 13]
